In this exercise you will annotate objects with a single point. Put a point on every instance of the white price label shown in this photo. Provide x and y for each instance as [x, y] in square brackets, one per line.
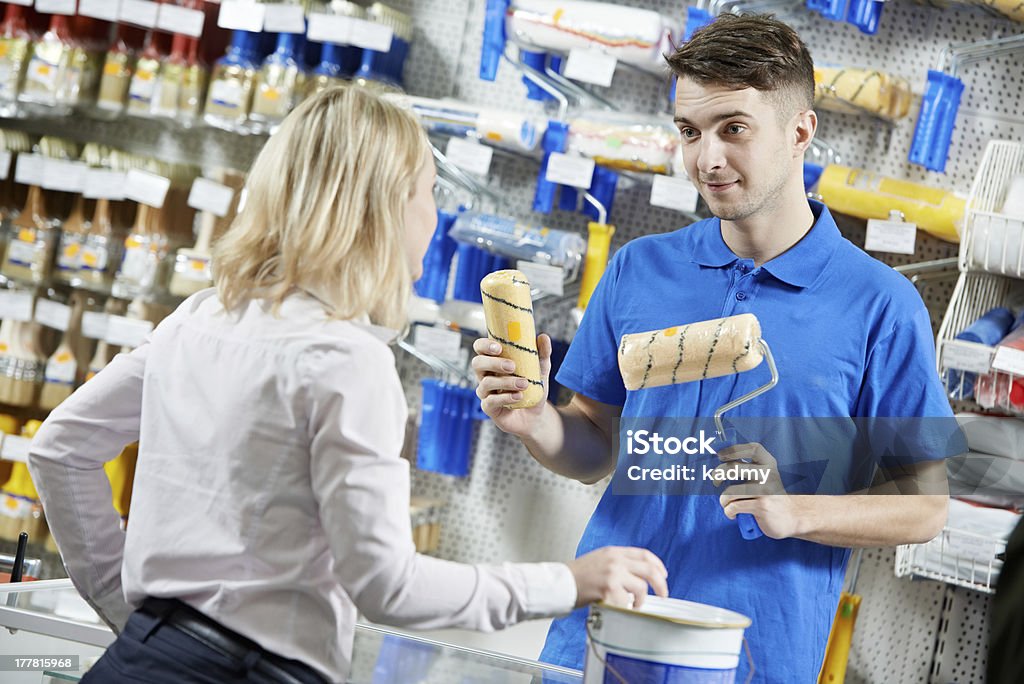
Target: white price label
[107, 10]
[566, 169]
[329, 28]
[177, 19]
[896, 237]
[127, 332]
[590, 66]
[94, 325]
[29, 169]
[68, 176]
[469, 155]
[5, 164]
[53, 314]
[241, 15]
[104, 183]
[1009, 360]
[966, 356]
[543, 277]
[439, 342]
[65, 7]
[146, 187]
[15, 448]
[15, 306]
[370, 35]
[280, 18]
[206, 195]
[674, 192]
[138, 12]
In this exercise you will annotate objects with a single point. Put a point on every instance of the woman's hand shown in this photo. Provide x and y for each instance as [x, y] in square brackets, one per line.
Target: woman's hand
[618, 575]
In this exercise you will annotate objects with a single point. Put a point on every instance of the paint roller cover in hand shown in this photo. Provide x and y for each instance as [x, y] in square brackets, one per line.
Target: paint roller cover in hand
[508, 309]
[698, 351]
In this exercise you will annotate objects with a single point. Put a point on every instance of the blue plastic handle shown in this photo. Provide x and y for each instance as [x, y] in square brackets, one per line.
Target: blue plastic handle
[437, 261]
[494, 39]
[865, 15]
[745, 521]
[834, 10]
[812, 173]
[696, 19]
[536, 61]
[556, 137]
[933, 131]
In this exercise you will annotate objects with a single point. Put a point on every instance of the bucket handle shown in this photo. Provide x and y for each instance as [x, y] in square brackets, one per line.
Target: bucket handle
[594, 620]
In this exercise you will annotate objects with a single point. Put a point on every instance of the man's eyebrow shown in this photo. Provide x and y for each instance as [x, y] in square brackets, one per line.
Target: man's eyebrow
[735, 114]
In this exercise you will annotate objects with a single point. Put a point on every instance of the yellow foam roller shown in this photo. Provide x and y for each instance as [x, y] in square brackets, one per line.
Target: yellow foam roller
[599, 240]
[508, 310]
[847, 89]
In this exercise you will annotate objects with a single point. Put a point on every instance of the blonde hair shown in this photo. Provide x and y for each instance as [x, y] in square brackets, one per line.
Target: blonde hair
[324, 210]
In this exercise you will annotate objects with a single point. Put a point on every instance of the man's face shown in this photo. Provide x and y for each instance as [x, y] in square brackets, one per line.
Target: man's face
[735, 148]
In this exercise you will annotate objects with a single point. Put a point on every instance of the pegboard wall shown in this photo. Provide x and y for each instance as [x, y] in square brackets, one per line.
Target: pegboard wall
[510, 508]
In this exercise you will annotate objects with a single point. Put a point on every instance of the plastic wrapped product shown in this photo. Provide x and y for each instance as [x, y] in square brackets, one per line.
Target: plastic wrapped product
[624, 143]
[516, 240]
[849, 89]
[497, 127]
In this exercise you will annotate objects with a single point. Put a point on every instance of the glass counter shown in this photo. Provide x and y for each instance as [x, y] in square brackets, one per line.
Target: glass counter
[54, 610]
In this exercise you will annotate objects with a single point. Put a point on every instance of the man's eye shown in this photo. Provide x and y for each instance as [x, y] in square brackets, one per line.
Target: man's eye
[736, 128]
[688, 132]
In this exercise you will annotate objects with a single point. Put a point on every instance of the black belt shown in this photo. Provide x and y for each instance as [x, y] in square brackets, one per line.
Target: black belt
[211, 634]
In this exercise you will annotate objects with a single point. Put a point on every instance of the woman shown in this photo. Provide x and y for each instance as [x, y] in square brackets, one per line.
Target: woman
[270, 503]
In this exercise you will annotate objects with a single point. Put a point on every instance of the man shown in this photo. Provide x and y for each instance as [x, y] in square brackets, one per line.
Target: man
[851, 337]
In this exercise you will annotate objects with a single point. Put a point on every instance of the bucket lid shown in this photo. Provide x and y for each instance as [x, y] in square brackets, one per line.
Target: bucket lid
[686, 613]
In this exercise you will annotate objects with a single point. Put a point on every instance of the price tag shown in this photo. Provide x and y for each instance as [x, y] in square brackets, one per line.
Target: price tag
[241, 15]
[68, 176]
[207, 195]
[1009, 360]
[543, 277]
[127, 332]
[329, 28]
[29, 169]
[896, 237]
[53, 314]
[104, 183]
[370, 35]
[15, 306]
[65, 7]
[469, 155]
[566, 169]
[280, 18]
[94, 325]
[674, 192]
[439, 342]
[146, 187]
[23, 3]
[138, 12]
[15, 448]
[590, 66]
[177, 19]
[966, 356]
[107, 10]
[5, 164]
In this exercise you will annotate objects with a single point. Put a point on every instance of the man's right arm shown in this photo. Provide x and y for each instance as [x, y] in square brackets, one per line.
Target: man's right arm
[574, 440]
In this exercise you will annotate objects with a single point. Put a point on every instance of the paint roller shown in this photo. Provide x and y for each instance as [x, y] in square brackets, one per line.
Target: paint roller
[508, 311]
[699, 351]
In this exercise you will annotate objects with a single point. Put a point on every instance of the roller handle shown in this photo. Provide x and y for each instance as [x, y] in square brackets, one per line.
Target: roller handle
[746, 522]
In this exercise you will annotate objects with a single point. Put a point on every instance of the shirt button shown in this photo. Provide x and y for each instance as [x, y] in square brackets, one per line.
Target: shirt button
[740, 296]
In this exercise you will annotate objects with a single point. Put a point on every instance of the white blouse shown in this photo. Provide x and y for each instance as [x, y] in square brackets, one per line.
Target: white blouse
[269, 492]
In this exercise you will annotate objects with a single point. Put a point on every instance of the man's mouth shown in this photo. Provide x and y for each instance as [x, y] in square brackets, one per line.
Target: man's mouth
[719, 186]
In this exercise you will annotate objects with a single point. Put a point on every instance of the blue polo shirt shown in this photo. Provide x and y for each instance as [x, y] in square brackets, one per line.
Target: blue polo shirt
[851, 337]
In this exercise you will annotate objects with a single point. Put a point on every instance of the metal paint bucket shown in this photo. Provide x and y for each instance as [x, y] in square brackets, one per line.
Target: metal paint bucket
[665, 640]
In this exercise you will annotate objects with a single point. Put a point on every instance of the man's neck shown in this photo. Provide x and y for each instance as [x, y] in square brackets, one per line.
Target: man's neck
[771, 232]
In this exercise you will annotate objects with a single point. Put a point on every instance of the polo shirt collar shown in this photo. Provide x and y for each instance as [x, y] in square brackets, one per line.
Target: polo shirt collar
[799, 266]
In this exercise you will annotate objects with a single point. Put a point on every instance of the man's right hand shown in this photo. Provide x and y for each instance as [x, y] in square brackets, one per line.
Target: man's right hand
[498, 387]
[618, 575]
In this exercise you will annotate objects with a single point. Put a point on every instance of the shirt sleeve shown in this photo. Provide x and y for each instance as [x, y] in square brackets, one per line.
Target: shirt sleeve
[902, 403]
[591, 366]
[361, 484]
[66, 461]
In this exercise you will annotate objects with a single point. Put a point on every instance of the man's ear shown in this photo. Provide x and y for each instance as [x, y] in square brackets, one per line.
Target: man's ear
[806, 125]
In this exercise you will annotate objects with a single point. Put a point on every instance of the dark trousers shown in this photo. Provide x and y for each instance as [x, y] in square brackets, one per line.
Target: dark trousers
[150, 650]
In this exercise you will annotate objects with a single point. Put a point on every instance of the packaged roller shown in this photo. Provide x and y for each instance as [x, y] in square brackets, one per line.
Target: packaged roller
[497, 127]
[868, 195]
[624, 142]
[508, 309]
[516, 240]
[853, 90]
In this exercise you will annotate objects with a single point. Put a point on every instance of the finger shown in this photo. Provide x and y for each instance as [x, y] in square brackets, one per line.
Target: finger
[638, 589]
[494, 403]
[487, 347]
[749, 506]
[645, 555]
[544, 352]
[737, 452]
[650, 574]
[500, 383]
[619, 597]
[490, 364]
[729, 501]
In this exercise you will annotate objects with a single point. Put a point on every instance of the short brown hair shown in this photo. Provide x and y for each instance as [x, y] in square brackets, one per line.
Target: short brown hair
[756, 51]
